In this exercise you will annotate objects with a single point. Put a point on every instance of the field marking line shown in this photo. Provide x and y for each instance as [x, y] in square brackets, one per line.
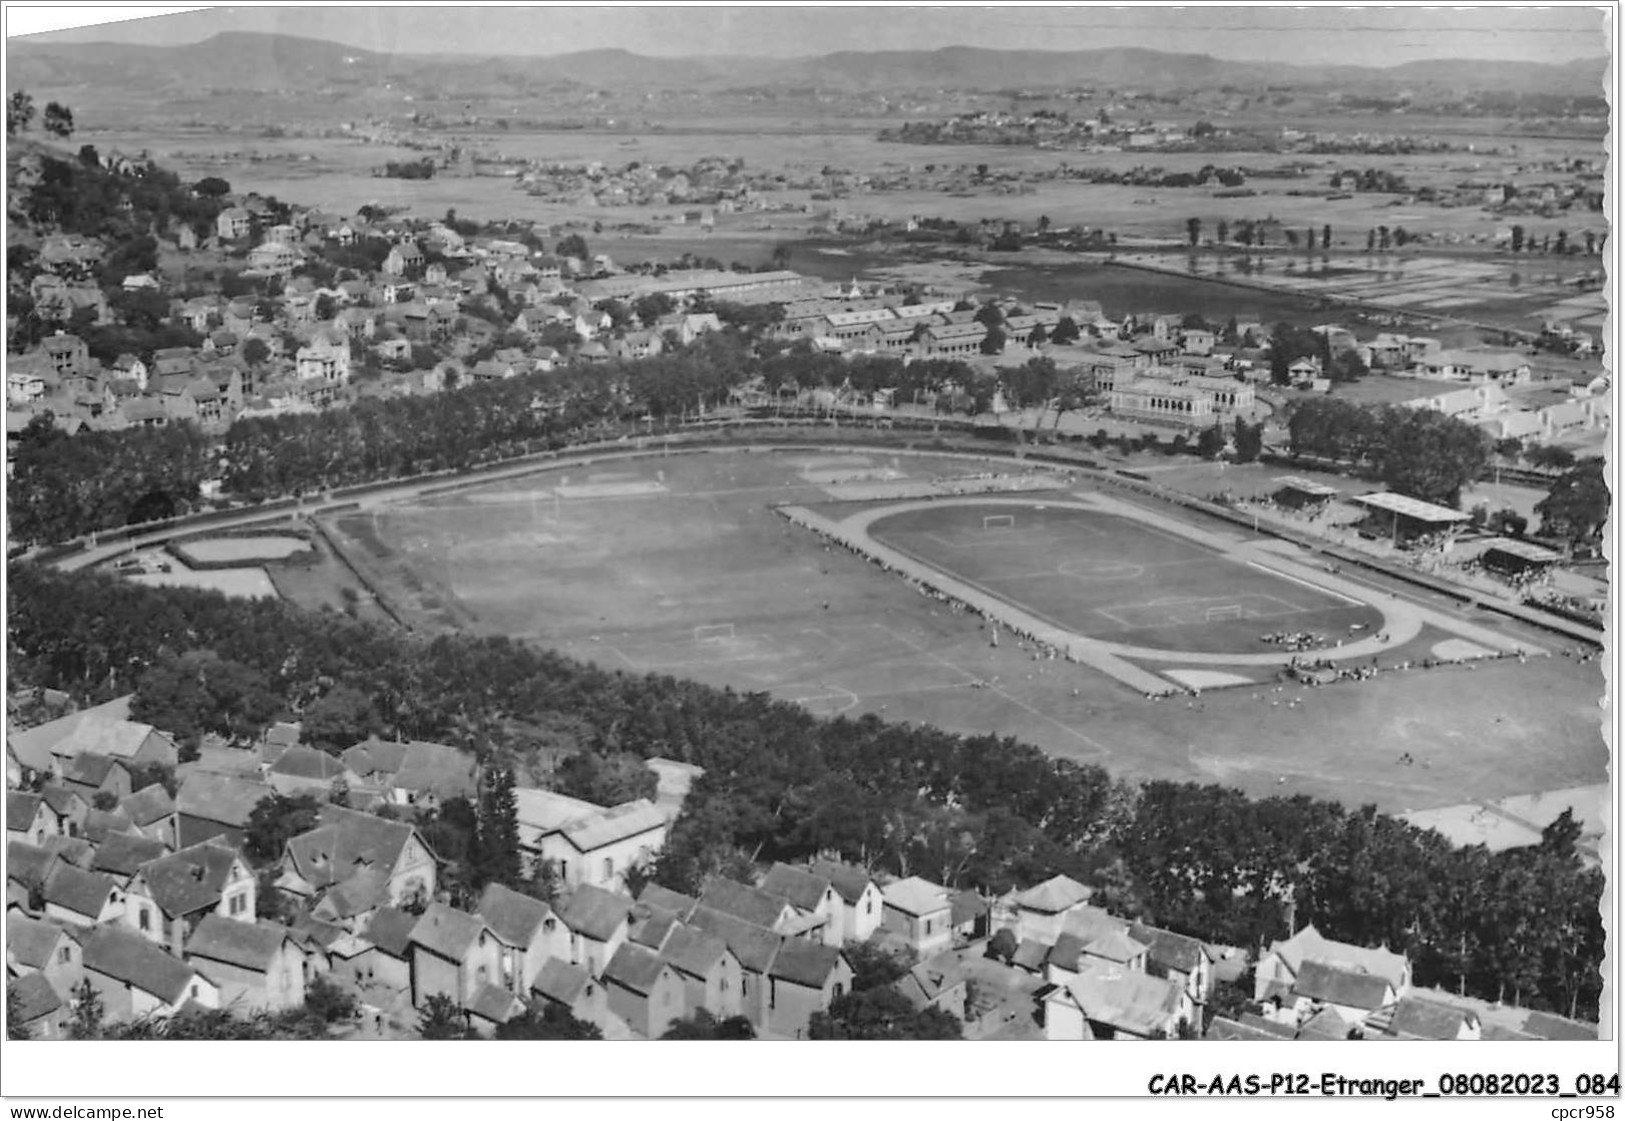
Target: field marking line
[1306, 583]
[1100, 749]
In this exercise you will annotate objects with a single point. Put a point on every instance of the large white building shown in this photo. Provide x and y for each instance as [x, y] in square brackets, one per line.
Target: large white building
[589, 844]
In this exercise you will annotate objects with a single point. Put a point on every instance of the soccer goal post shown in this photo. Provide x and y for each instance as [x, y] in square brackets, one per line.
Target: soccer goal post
[713, 632]
[1226, 611]
[999, 521]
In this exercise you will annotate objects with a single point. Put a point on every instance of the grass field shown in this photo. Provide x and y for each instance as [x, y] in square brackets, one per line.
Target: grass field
[1109, 577]
[692, 542]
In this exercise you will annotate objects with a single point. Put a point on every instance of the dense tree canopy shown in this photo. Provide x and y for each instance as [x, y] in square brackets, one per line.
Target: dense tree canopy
[970, 811]
[1577, 506]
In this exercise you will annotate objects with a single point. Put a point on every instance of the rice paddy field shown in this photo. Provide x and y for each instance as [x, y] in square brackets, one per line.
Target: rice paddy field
[681, 565]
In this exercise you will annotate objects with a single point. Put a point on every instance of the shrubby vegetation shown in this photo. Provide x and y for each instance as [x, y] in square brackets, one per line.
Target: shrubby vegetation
[975, 811]
[1418, 452]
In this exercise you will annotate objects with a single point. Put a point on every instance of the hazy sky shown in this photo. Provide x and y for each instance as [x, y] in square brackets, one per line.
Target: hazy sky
[1321, 33]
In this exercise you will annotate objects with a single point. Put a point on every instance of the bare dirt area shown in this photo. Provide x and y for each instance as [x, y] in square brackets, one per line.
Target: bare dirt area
[679, 565]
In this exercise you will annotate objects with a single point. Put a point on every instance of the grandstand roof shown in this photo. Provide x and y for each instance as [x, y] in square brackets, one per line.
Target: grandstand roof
[1305, 486]
[1413, 508]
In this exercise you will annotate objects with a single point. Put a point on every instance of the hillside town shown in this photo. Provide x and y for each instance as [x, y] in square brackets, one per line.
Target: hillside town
[139, 886]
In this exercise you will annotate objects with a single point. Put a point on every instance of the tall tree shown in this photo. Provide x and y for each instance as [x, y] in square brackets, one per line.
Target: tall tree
[88, 1011]
[19, 112]
[58, 120]
[440, 1018]
[1576, 508]
[499, 858]
[1193, 230]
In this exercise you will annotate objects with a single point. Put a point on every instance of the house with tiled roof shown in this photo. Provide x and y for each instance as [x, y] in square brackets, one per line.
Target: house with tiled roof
[134, 978]
[257, 965]
[307, 770]
[572, 988]
[651, 927]
[1041, 910]
[1177, 957]
[755, 906]
[77, 851]
[589, 844]
[27, 869]
[41, 946]
[38, 1009]
[170, 896]
[80, 898]
[937, 983]
[454, 954]
[710, 973]
[1353, 994]
[644, 991]
[120, 856]
[390, 933]
[754, 947]
[1278, 966]
[28, 818]
[1545, 1025]
[1223, 1028]
[806, 977]
[93, 729]
[389, 859]
[918, 912]
[1106, 1001]
[152, 812]
[598, 921]
[209, 805]
[428, 774]
[90, 773]
[813, 897]
[655, 896]
[1415, 1017]
[528, 931]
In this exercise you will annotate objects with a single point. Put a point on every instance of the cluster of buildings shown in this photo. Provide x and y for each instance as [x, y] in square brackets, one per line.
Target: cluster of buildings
[154, 902]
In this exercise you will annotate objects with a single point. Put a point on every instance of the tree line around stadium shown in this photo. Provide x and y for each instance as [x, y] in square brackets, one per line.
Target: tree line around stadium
[64, 487]
[1521, 925]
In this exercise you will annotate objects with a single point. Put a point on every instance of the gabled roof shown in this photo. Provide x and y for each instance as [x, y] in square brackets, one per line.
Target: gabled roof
[125, 956]
[391, 931]
[446, 931]
[1416, 1018]
[925, 983]
[1310, 945]
[547, 810]
[89, 768]
[1318, 980]
[692, 951]
[753, 945]
[365, 891]
[494, 1004]
[755, 906]
[805, 963]
[21, 807]
[149, 804]
[915, 896]
[119, 738]
[966, 907]
[1088, 923]
[1054, 895]
[436, 769]
[663, 897]
[375, 756]
[634, 967]
[346, 842]
[560, 981]
[247, 945]
[83, 893]
[60, 798]
[1115, 945]
[30, 941]
[1125, 999]
[225, 799]
[651, 926]
[35, 997]
[1544, 1025]
[848, 880]
[595, 912]
[615, 824]
[28, 864]
[802, 888]
[123, 854]
[191, 879]
[1222, 1028]
[512, 917]
[1325, 1025]
[1031, 955]
[77, 851]
[102, 824]
[299, 761]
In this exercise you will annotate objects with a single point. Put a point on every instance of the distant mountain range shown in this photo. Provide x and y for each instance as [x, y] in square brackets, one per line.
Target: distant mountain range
[255, 62]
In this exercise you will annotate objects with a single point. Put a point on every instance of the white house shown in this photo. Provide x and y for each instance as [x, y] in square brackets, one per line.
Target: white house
[589, 844]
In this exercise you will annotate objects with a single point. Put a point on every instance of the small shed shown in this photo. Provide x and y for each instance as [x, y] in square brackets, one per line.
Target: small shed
[1299, 493]
[1517, 558]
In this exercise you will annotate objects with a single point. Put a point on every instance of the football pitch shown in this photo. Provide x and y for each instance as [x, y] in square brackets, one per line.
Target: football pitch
[1112, 577]
[682, 566]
